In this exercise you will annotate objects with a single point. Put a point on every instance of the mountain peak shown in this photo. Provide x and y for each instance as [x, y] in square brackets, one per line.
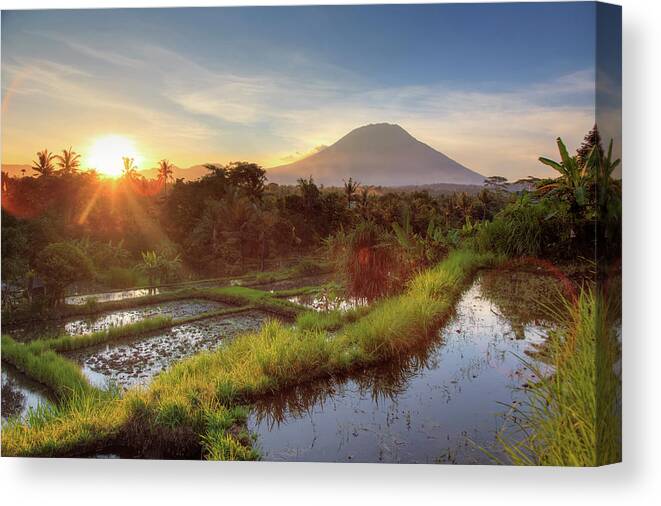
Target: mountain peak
[378, 154]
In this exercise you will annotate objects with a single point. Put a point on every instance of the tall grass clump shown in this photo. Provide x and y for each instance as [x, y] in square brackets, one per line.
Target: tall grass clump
[45, 366]
[573, 417]
[81, 420]
[223, 438]
[526, 228]
[329, 320]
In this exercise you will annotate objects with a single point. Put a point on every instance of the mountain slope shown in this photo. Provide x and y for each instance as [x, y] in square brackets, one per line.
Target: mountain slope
[377, 154]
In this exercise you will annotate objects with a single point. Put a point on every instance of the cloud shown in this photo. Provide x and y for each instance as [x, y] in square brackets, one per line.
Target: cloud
[206, 109]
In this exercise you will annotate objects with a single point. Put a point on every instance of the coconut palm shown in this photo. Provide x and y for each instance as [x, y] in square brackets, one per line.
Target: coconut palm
[44, 163]
[165, 171]
[130, 171]
[68, 161]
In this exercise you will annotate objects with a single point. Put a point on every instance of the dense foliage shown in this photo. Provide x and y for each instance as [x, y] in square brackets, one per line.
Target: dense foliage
[139, 231]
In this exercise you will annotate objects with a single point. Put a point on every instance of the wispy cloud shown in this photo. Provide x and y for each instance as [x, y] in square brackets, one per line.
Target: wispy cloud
[201, 106]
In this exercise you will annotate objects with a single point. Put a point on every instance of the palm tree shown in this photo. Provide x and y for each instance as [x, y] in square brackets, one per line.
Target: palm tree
[129, 171]
[350, 189]
[165, 171]
[68, 161]
[44, 163]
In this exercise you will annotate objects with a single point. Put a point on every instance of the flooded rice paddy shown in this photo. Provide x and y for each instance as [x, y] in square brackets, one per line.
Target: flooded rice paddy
[20, 394]
[437, 406]
[323, 301]
[136, 362]
[175, 309]
[291, 283]
[79, 300]
[115, 295]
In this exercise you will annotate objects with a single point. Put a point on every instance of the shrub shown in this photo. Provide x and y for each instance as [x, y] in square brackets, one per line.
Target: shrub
[60, 264]
[308, 267]
[526, 228]
[120, 277]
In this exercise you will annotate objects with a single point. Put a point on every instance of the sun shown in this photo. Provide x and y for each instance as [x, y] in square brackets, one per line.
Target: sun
[106, 153]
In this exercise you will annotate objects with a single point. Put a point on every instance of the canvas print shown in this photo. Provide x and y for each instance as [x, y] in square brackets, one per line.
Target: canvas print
[370, 233]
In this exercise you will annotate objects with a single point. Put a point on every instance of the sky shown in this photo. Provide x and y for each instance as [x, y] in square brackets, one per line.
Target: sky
[490, 85]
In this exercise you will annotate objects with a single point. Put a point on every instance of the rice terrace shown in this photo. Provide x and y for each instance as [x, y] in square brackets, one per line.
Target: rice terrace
[337, 288]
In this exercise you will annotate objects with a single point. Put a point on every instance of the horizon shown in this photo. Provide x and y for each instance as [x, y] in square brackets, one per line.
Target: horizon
[200, 85]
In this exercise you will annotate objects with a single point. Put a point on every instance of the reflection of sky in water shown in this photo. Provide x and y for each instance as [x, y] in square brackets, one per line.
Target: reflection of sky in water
[20, 394]
[175, 309]
[426, 411]
[137, 362]
[78, 300]
[326, 302]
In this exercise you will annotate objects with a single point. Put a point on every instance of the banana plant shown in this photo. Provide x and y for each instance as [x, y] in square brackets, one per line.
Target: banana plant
[428, 248]
[572, 185]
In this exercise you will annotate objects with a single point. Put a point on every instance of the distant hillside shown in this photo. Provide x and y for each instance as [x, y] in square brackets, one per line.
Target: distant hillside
[378, 154]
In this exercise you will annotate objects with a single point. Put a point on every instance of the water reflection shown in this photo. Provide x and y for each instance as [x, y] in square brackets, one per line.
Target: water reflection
[78, 300]
[137, 361]
[20, 394]
[175, 309]
[325, 301]
[436, 405]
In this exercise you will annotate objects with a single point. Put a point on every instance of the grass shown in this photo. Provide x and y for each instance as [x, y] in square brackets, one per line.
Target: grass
[75, 342]
[198, 398]
[573, 418]
[280, 356]
[42, 364]
[258, 298]
[80, 420]
[328, 320]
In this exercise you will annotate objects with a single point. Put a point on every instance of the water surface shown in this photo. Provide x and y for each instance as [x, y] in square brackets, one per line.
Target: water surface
[435, 406]
[323, 301]
[20, 394]
[53, 328]
[137, 361]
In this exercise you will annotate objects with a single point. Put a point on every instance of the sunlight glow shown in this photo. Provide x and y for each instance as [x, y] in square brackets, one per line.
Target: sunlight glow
[106, 153]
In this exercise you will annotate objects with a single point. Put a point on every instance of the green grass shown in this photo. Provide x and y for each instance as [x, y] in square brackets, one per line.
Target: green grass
[75, 342]
[573, 417]
[329, 320]
[42, 364]
[258, 298]
[80, 420]
[199, 396]
[279, 356]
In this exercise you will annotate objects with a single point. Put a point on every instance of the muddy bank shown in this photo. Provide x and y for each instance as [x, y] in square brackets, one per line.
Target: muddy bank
[436, 406]
[76, 326]
[136, 362]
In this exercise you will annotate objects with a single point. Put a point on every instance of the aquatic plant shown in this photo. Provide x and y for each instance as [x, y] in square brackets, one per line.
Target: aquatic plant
[573, 417]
